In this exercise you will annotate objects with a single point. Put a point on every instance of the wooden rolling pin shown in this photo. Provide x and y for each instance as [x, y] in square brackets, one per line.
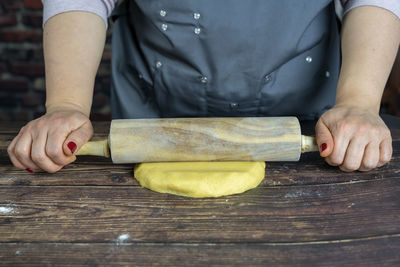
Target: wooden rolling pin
[203, 139]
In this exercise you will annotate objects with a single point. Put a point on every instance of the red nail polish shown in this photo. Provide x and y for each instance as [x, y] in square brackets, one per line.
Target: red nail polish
[63, 167]
[29, 170]
[323, 147]
[72, 146]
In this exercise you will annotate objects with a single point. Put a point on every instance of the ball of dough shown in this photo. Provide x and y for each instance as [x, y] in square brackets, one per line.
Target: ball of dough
[200, 179]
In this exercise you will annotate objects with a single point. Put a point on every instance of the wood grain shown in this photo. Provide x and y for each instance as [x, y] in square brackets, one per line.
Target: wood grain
[269, 214]
[304, 213]
[310, 170]
[374, 251]
[205, 139]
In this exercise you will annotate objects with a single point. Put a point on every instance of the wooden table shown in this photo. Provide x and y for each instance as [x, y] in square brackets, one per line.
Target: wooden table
[304, 213]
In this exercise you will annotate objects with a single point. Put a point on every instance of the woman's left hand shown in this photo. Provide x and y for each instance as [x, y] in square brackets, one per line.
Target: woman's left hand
[353, 138]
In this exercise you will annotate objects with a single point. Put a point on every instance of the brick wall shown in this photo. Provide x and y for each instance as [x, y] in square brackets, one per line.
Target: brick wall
[22, 86]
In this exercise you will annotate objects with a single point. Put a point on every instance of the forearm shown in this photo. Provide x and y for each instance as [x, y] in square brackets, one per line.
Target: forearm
[73, 43]
[370, 39]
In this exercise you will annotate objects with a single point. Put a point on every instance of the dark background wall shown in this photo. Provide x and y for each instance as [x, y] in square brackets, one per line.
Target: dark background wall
[22, 86]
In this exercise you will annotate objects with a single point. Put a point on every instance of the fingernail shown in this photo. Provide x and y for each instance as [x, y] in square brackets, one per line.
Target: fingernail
[323, 147]
[72, 146]
[29, 170]
[63, 167]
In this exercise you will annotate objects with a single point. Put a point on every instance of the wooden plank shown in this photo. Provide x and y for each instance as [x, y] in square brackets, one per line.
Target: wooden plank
[77, 174]
[311, 170]
[269, 214]
[382, 251]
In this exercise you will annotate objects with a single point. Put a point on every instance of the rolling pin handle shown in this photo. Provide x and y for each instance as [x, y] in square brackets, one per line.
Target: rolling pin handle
[95, 148]
[308, 144]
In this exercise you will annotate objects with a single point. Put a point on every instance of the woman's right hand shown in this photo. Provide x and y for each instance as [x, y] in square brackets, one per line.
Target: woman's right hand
[49, 142]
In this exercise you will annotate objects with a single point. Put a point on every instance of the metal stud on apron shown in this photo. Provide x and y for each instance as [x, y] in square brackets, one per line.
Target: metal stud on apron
[224, 58]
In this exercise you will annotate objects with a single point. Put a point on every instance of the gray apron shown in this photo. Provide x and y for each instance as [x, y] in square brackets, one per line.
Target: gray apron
[202, 58]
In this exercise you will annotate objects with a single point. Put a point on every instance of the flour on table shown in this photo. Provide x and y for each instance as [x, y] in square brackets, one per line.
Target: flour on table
[7, 210]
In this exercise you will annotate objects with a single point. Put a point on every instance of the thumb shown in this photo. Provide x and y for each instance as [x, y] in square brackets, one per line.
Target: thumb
[77, 138]
[324, 139]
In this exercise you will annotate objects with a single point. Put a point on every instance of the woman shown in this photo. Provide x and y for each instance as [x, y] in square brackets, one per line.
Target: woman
[219, 58]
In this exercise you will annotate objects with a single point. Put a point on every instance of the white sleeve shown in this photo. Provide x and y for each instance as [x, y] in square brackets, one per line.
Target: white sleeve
[390, 5]
[102, 8]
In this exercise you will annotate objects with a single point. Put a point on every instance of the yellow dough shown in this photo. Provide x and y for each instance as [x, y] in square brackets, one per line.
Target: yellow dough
[200, 179]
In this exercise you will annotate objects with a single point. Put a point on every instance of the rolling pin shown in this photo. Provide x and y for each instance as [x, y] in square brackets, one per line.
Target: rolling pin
[203, 139]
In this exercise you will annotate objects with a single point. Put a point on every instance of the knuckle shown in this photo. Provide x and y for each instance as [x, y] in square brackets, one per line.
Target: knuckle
[375, 132]
[386, 134]
[10, 150]
[364, 130]
[323, 117]
[24, 128]
[53, 152]
[343, 126]
[29, 125]
[30, 128]
[89, 130]
[40, 123]
[38, 157]
[21, 152]
[57, 158]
